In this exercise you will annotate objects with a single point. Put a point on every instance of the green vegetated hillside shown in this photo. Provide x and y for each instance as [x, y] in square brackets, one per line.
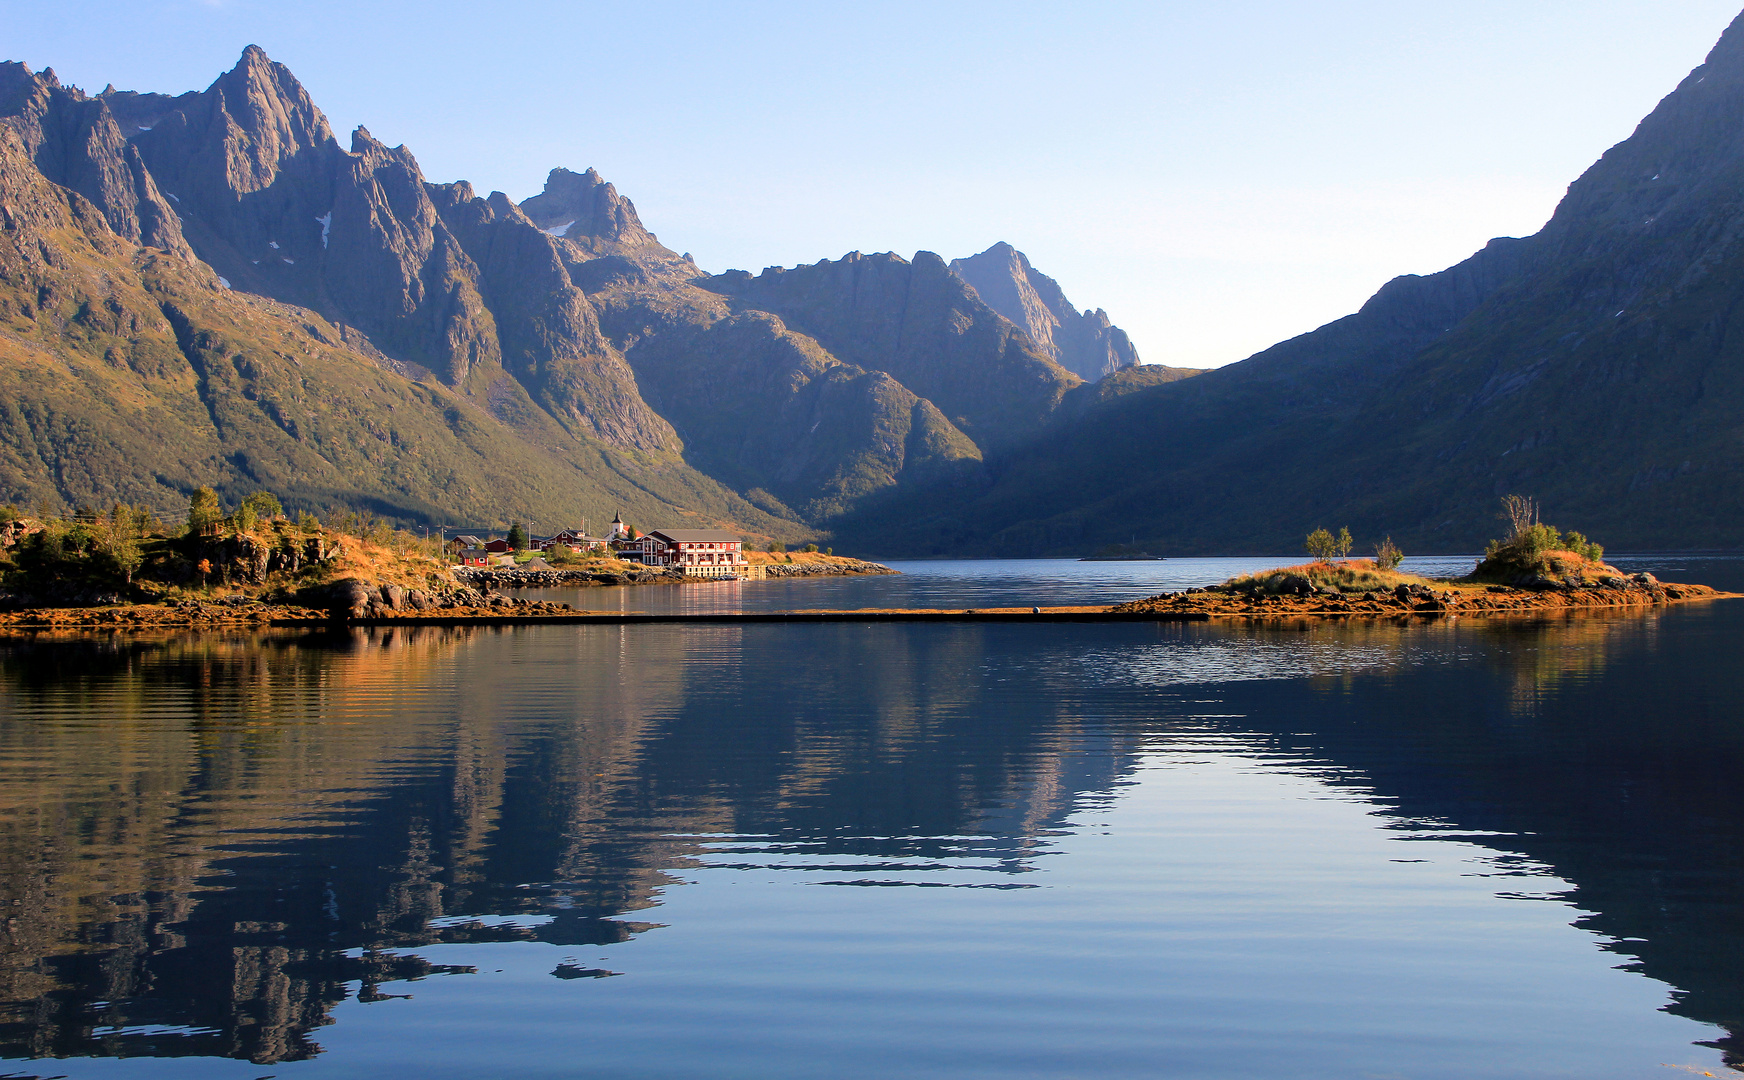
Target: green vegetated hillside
[1593, 365]
[132, 374]
[321, 320]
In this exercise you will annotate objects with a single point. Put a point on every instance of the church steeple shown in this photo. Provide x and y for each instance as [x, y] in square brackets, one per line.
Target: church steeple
[620, 531]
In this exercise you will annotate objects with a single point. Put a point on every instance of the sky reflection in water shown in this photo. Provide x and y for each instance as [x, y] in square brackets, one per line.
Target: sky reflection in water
[868, 851]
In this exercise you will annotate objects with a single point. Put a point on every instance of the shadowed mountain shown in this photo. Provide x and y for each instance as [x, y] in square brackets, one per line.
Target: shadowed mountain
[1085, 343]
[1591, 364]
[925, 327]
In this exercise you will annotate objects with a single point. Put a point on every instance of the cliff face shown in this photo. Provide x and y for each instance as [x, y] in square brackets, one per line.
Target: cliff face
[74, 142]
[1085, 343]
[1591, 364]
[131, 373]
[925, 327]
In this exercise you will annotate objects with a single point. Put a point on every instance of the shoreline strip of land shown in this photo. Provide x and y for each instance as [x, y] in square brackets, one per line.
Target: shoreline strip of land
[1185, 607]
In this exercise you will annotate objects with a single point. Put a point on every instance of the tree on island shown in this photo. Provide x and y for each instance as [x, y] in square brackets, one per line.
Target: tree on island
[1326, 547]
[204, 511]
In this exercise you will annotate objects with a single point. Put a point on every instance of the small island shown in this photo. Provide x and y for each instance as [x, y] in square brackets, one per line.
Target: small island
[1536, 568]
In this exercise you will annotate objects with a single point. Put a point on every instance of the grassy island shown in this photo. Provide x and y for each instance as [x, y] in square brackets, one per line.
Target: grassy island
[1535, 568]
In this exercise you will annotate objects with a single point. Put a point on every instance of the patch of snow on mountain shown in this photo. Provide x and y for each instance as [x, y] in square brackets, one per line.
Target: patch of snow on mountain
[223, 281]
[326, 221]
[274, 244]
[559, 230]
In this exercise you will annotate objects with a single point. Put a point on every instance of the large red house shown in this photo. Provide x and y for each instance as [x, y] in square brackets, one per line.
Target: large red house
[697, 552]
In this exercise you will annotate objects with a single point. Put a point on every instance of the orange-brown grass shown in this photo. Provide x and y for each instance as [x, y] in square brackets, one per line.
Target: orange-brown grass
[1346, 575]
[769, 557]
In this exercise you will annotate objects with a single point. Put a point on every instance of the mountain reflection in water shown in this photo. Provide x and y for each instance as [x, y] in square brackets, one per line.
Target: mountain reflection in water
[209, 842]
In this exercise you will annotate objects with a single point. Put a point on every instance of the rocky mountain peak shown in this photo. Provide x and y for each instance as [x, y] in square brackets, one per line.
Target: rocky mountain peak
[582, 207]
[1085, 343]
[75, 142]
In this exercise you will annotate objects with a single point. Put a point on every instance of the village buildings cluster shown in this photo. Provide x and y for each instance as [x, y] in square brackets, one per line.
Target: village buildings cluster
[709, 553]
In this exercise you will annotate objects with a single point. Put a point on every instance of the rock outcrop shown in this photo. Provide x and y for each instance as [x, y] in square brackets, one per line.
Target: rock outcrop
[1085, 343]
[75, 142]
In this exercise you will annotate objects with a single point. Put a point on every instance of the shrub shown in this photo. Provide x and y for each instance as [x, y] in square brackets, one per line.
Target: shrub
[1528, 550]
[812, 548]
[776, 547]
[1387, 555]
[1530, 541]
[1580, 545]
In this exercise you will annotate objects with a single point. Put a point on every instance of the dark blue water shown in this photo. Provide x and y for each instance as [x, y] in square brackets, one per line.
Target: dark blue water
[1509, 848]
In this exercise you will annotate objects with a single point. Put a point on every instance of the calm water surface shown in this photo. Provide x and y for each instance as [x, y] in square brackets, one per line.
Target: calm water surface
[1455, 849]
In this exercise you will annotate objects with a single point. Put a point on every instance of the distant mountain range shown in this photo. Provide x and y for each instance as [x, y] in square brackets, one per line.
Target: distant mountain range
[210, 288]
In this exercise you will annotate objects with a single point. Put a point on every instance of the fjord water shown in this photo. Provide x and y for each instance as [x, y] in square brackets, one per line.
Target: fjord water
[1459, 848]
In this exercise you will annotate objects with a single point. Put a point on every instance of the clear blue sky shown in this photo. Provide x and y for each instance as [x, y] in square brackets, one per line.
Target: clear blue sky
[1217, 176]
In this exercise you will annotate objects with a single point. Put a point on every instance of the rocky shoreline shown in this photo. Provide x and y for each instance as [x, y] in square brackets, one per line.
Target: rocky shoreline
[561, 579]
[353, 602]
[1446, 598]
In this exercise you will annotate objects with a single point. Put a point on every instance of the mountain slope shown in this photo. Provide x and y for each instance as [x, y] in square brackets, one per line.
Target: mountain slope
[1592, 364]
[925, 327]
[131, 373]
[1085, 343]
[561, 329]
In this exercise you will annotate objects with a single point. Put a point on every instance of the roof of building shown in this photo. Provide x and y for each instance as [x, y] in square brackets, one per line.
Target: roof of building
[469, 540]
[696, 536]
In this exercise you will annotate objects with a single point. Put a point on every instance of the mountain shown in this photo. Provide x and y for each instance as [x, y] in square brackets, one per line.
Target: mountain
[130, 370]
[542, 360]
[1085, 343]
[922, 324]
[1591, 364]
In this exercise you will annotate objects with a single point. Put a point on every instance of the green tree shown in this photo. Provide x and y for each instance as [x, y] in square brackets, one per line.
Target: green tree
[811, 548]
[245, 518]
[204, 511]
[1321, 545]
[517, 537]
[1341, 543]
[265, 505]
[120, 535]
